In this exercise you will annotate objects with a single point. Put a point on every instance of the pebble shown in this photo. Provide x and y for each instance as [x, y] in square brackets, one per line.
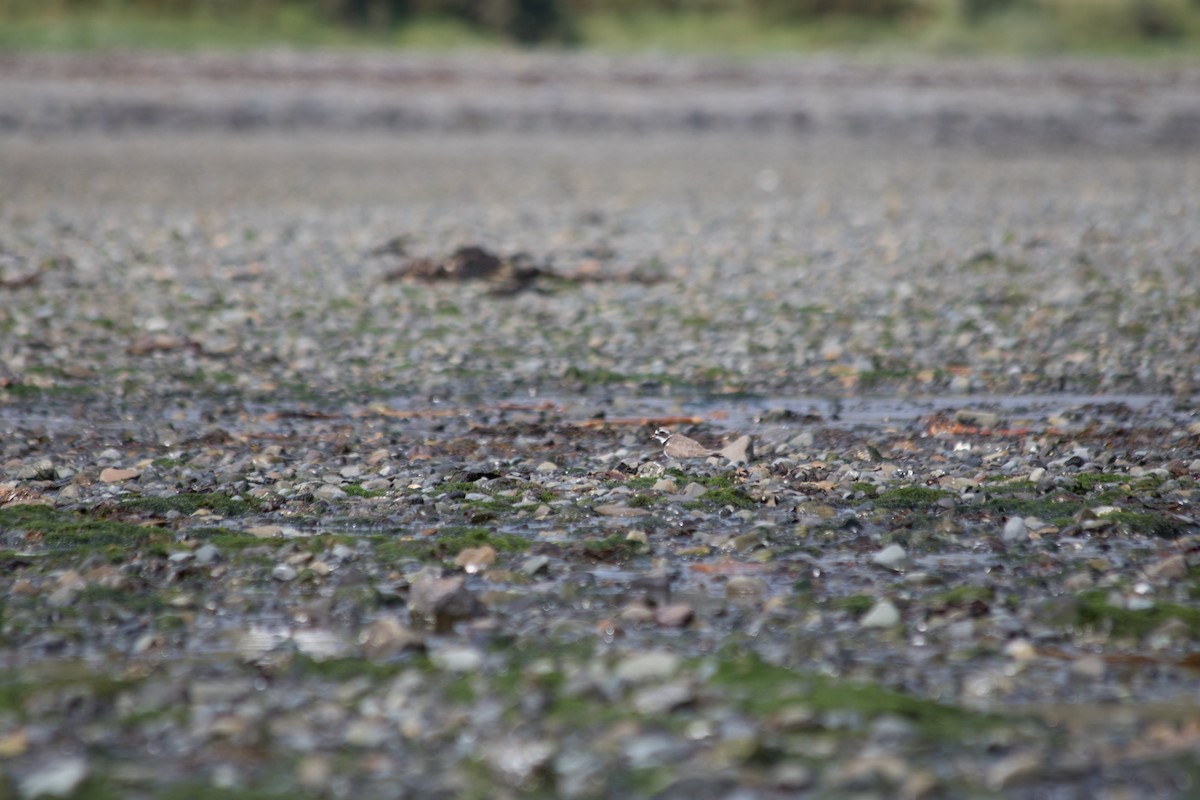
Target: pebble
[883, 614]
[535, 564]
[1015, 530]
[547, 467]
[893, 557]
[693, 491]
[116, 475]
[314, 772]
[329, 492]
[14, 743]
[662, 698]
[439, 603]
[387, 636]
[207, 554]
[476, 559]
[977, 417]
[219, 692]
[284, 572]
[70, 584]
[636, 614]
[740, 451]
[367, 733]
[516, 760]
[60, 777]
[1173, 567]
[1021, 650]
[648, 666]
[746, 589]
[457, 658]
[792, 777]
[1091, 667]
[42, 469]
[1013, 769]
[650, 469]
[615, 510]
[674, 615]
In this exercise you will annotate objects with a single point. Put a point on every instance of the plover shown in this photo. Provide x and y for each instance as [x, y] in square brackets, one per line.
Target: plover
[676, 445]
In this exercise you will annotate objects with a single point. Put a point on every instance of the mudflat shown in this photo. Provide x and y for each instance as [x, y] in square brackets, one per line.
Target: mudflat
[328, 385]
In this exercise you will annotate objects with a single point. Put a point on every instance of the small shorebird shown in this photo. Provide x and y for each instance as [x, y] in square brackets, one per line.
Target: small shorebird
[676, 445]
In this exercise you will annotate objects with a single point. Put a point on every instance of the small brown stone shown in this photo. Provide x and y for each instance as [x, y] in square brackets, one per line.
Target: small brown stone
[476, 559]
[614, 510]
[378, 456]
[117, 474]
[388, 636]
[746, 589]
[441, 602]
[1170, 568]
[675, 615]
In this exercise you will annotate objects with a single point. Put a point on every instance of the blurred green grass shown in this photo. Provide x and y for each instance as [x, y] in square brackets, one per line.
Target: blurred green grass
[1132, 27]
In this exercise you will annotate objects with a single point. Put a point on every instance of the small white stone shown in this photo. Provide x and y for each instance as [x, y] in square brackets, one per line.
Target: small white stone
[1090, 666]
[329, 492]
[1020, 650]
[457, 658]
[284, 572]
[58, 778]
[892, 557]
[882, 615]
[1015, 530]
[653, 665]
[207, 554]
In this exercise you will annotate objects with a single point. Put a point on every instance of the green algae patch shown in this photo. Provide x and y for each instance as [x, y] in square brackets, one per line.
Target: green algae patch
[228, 539]
[762, 688]
[855, 604]
[867, 488]
[445, 543]
[1087, 481]
[910, 497]
[1093, 610]
[644, 500]
[1058, 509]
[1149, 524]
[612, 548]
[963, 596]
[635, 482]
[356, 490]
[27, 688]
[55, 528]
[347, 668]
[727, 497]
[188, 503]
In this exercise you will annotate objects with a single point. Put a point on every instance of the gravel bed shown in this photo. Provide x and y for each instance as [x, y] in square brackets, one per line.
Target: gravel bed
[283, 515]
